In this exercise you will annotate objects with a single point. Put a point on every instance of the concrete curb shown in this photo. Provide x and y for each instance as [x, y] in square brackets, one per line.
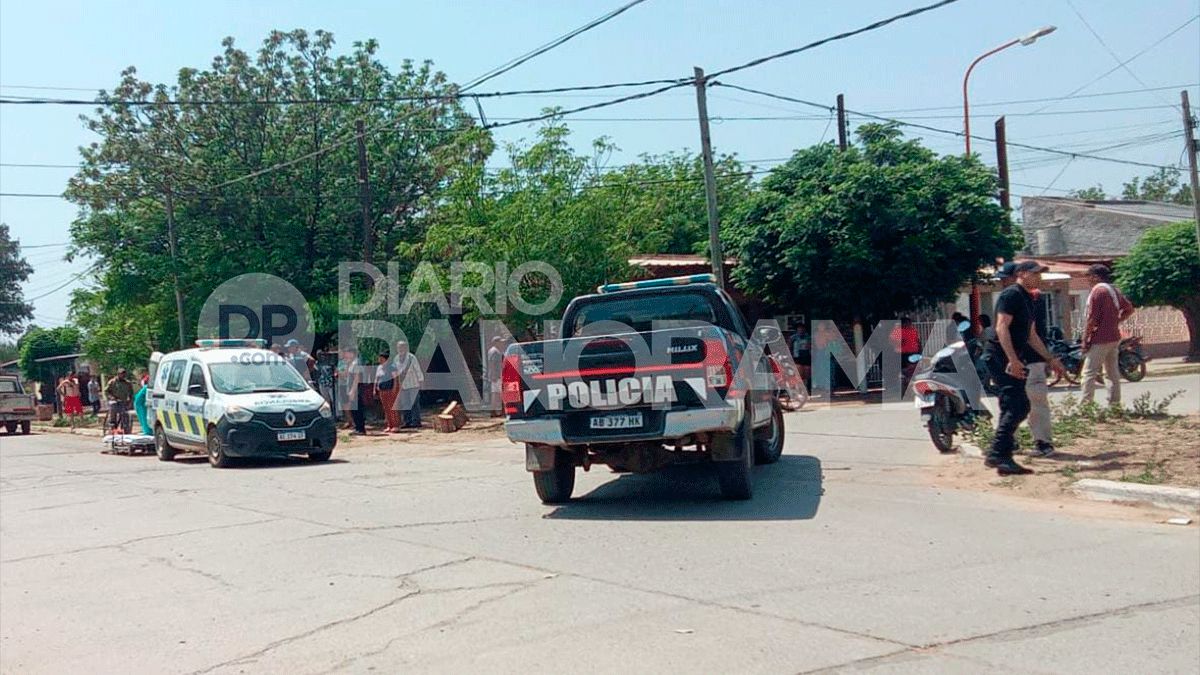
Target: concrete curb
[47, 429]
[1162, 496]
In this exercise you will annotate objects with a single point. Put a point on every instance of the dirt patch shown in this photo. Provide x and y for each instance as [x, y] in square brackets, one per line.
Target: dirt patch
[1148, 451]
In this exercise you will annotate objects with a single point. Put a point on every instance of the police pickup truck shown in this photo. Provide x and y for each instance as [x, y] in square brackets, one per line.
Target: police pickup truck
[645, 374]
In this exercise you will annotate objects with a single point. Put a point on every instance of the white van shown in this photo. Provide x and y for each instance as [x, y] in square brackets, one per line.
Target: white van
[232, 398]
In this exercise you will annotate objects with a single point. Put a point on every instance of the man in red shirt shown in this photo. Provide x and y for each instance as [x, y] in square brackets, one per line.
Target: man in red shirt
[1106, 309]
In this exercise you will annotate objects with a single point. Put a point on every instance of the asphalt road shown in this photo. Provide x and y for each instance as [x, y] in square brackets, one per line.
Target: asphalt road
[435, 556]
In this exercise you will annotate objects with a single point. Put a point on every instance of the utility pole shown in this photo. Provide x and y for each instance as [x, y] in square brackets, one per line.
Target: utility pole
[1189, 135]
[841, 115]
[1002, 164]
[364, 192]
[710, 181]
[174, 244]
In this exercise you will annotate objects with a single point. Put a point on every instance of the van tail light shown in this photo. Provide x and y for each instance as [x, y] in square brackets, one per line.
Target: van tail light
[718, 370]
[510, 384]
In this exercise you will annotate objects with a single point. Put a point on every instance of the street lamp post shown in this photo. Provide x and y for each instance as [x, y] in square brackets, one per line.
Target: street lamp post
[1023, 41]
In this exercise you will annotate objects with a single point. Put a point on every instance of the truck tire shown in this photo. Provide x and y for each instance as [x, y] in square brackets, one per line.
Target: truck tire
[768, 442]
[10, 427]
[162, 448]
[735, 477]
[25, 427]
[556, 485]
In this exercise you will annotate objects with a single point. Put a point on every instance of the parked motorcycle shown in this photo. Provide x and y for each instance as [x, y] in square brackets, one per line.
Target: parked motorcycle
[1131, 360]
[941, 393]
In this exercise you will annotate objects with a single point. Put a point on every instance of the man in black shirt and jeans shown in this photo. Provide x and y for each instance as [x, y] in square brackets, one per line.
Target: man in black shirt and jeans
[1019, 346]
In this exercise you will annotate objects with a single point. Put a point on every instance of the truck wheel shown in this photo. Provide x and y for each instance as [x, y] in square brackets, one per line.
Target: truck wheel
[768, 443]
[25, 426]
[735, 476]
[10, 427]
[216, 451]
[556, 485]
[161, 447]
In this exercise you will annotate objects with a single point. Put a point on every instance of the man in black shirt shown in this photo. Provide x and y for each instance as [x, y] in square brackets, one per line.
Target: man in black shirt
[1020, 349]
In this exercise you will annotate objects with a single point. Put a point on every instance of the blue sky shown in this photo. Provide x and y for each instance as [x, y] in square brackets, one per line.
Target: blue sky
[916, 63]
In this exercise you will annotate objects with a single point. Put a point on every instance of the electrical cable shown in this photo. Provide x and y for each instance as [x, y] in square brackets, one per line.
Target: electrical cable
[926, 127]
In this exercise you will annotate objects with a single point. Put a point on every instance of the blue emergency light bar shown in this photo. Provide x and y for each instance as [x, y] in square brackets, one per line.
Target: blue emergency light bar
[658, 283]
[228, 343]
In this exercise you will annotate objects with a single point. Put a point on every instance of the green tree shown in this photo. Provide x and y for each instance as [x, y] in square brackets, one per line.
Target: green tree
[1164, 185]
[541, 208]
[659, 202]
[39, 343]
[882, 228]
[297, 221]
[14, 271]
[1096, 192]
[1163, 268]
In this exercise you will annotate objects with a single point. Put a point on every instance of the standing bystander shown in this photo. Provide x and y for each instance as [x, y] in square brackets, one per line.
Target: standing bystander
[1106, 309]
[1022, 355]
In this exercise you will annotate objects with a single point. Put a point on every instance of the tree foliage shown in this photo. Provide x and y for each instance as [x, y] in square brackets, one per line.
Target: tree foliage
[884, 227]
[14, 271]
[1096, 193]
[39, 343]
[296, 222]
[1164, 185]
[539, 208]
[1163, 268]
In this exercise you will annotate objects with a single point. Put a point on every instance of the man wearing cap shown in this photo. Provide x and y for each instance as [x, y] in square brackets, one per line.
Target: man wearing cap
[301, 360]
[1106, 309]
[1022, 356]
[1041, 425]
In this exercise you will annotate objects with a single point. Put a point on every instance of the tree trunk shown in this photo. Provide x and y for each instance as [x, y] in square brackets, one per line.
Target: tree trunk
[1191, 314]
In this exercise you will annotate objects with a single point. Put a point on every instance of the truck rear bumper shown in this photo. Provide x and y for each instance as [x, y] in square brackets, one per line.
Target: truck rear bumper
[677, 424]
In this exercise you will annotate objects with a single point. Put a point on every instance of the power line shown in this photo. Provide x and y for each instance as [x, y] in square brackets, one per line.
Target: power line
[1039, 100]
[45, 245]
[68, 282]
[1121, 64]
[926, 127]
[1108, 49]
[840, 36]
[30, 194]
[504, 68]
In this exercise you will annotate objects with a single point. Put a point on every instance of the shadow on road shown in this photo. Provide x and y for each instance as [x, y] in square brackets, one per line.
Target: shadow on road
[790, 489]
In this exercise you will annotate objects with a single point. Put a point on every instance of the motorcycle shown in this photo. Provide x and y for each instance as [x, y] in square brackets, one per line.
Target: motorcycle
[1131, 360]
[941, 394]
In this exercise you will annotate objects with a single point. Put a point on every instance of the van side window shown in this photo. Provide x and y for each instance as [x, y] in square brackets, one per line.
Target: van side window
[164, 371]
[197, 378]
[175, 376]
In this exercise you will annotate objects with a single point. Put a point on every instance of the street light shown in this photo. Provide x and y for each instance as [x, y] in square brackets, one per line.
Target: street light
[1023, 41]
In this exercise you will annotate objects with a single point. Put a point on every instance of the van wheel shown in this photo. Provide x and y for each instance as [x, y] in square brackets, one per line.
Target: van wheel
[556, 485]
[735, 476]
[161, 447]
[322, 456]
[216, 450]
[768, 443]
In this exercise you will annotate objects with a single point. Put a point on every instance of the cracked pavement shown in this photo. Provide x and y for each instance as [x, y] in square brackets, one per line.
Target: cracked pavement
[435, 556]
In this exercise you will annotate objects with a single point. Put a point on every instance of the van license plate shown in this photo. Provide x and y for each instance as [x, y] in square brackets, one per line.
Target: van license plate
[625, 421]
[290, 436]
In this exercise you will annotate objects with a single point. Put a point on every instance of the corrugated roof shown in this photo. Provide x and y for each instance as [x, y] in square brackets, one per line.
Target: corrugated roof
[1160, 211]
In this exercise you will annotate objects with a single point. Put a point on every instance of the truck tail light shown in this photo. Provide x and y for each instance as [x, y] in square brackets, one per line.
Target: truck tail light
[510, 384]
[718, 370]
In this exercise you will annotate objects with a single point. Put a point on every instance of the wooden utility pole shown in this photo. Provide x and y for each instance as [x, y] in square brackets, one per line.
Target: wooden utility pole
[710, 181]
[1002, 165]
[1189, 135]
[841, 115]
[364, 193]
[173, 241]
